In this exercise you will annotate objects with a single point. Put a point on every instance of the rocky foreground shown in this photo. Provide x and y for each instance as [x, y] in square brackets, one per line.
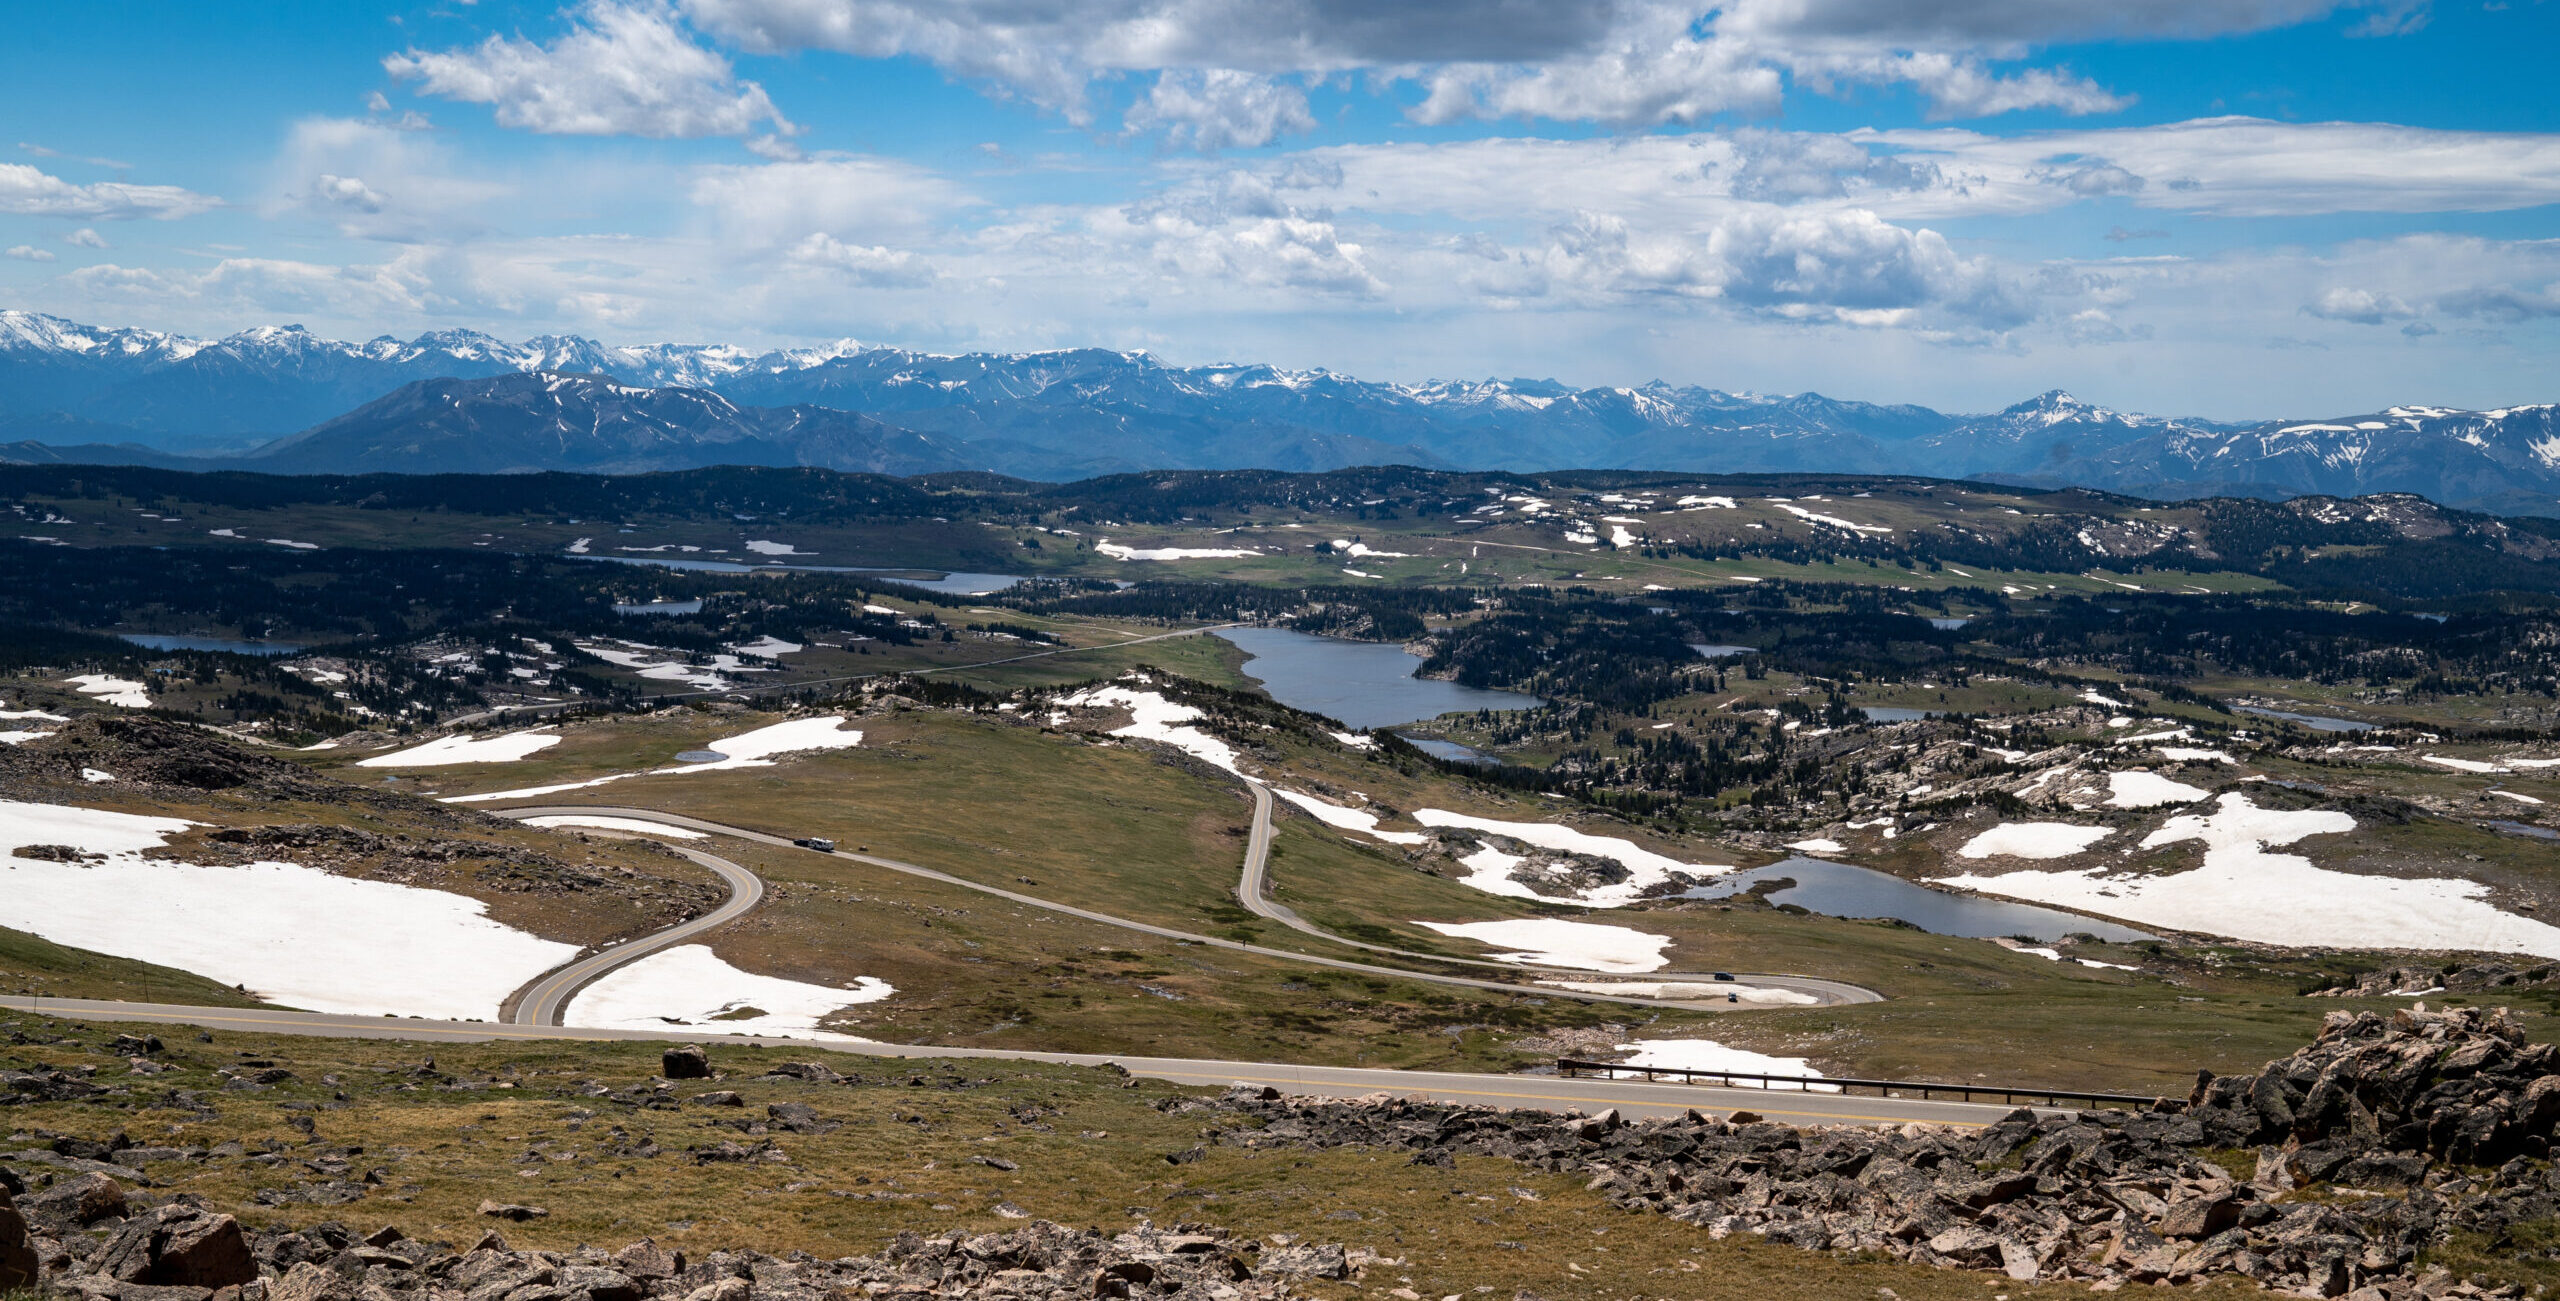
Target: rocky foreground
[2329, 1173]
[183, 1252]
[2333, 1172]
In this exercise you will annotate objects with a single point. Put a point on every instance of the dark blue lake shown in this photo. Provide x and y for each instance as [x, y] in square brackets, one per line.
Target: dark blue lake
[1362, 684]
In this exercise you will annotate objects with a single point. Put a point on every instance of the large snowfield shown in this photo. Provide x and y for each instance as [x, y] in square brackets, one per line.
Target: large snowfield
[2244, 892]
[689, 986]
[1549, 942]
[2033, 840]
[291, 934]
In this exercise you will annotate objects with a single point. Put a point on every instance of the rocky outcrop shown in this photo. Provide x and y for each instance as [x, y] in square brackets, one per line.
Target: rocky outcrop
[17, 1251]
[2391, 1108]
[2460, 1086]
[1039, 1262]
[686, 1062]
[2471, 978]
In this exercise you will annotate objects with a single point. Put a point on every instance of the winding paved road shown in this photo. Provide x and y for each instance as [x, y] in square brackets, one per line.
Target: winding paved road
[1257, 871]
[1543, 1092]
[610, 958]
[546, 997]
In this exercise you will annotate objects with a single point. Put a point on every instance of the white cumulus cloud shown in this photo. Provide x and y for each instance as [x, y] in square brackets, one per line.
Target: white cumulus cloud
[622, 69]
[1220, 108]
[29, 191]
[30, 253]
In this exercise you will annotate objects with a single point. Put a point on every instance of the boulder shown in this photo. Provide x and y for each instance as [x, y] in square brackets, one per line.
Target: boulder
[75, 1204]
[686, 1062]
[179, 1246]
[17, 1254]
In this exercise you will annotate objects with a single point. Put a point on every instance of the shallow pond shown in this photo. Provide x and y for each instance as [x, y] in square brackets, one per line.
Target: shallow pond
[2316, 722]
[1840, 890]
[162, 642]
[952, 583]
[1361, 684]
[1948, 623]
[1896, 713]
[1449, 750]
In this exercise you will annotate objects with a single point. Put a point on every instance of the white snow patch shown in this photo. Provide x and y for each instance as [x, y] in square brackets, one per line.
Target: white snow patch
[1818, 845]
[2093, 697]
[605, 822]
[754, 749]
[1708, 1055]
[2195, 754]
[1358, 550]
[2511, 795]
[579, 547]
[507, 748]
[1549, 942]
[768, 647]
[2244, 892]
[1118, 551]
[691, 986]
[1646, 869]
[1154, 718]
[1349, 819]
[123, 693]
[764, 548]
[1354, 740]
[2033, 840]
[294, 935]
[20, 736]
[2143, 790]
[1693, 989]
[288, 542]
[2461, 765]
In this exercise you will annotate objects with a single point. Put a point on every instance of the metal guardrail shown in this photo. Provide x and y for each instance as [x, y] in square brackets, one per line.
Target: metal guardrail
[2008, 1093]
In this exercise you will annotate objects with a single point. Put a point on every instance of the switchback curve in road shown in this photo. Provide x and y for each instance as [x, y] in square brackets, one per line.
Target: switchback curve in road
[1087, 914]
[544, 1000]
[1516, 1092]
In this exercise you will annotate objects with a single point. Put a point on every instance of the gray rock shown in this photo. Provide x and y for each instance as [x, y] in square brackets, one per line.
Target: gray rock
[688, 1062]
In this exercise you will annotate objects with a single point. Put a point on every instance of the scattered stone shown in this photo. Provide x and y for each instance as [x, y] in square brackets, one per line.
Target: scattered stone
[720, 1098]
[688, 1062]
[511, 1211]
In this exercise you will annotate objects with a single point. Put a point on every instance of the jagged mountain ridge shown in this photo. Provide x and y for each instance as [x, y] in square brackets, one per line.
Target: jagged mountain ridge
[1079, 412]
[542, 420]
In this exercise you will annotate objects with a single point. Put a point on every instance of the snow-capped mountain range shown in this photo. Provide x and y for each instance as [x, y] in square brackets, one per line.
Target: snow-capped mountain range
[77, 392]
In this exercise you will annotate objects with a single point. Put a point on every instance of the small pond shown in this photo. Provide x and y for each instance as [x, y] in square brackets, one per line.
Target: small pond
[2524, 829]
[1449, 750]
[1840, 890]
[2316, 722]
[1897, 714]
[1948, 623]
[1361, 684]
[163, 642]
[951, 583]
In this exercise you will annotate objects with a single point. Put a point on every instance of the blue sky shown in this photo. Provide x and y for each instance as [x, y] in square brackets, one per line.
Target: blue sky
[2232, 208]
